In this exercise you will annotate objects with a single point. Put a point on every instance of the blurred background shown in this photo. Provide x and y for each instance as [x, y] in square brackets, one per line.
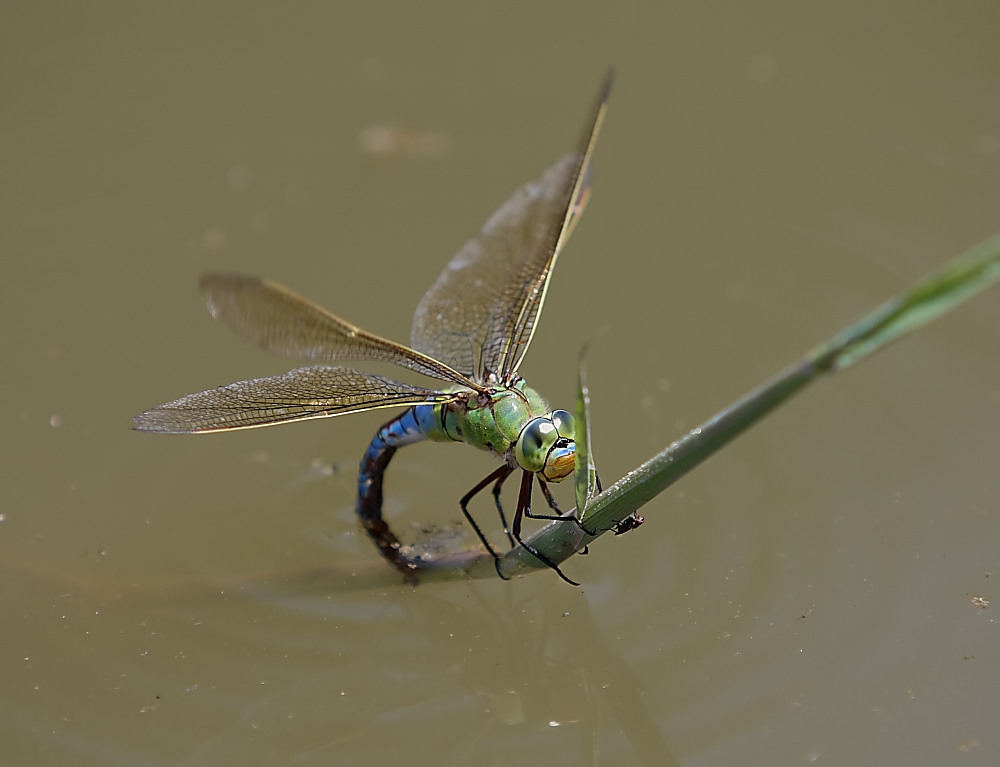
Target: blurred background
[820, 592]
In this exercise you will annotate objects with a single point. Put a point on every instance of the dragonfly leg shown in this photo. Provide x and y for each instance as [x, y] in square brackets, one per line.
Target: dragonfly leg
[550, 501]
[496, 477]
[496, 500]
[524, 509]
[559, 514]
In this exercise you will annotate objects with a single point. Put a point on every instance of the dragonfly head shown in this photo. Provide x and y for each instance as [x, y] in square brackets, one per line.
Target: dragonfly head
[546, 446]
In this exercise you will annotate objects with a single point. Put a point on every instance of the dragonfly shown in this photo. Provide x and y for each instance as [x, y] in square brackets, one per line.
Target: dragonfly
[470, 330]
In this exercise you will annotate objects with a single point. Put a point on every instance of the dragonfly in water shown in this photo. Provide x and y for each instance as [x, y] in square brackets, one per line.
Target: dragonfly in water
[471, 330]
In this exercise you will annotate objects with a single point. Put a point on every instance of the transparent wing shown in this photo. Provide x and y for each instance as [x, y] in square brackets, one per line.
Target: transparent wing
[480, 314]
[287, 324]
[310, 392]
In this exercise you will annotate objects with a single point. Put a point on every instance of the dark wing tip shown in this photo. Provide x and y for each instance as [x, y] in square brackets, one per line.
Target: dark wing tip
[609, 80]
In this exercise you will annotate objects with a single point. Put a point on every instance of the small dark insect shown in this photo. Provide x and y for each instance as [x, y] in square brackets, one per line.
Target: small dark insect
[631, 522]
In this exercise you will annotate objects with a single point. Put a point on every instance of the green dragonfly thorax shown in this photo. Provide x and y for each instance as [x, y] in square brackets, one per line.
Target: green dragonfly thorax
[514, 423]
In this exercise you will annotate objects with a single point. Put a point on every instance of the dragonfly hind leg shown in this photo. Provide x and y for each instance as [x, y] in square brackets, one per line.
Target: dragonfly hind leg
[497, 478]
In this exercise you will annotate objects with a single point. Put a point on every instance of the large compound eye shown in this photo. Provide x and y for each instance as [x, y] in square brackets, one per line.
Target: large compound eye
[534, 443]
[565, 424]
[560, 460]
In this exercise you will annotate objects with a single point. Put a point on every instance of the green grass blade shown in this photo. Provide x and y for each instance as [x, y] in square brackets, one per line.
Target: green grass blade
[937, 294]
[584, 471]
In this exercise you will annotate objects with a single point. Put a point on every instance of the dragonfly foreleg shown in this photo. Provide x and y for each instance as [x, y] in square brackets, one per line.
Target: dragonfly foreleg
[559, 513]
[558, 516]
[524, 509]
[550, 501]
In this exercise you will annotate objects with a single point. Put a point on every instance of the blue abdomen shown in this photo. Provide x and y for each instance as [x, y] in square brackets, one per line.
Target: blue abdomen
[417, 423]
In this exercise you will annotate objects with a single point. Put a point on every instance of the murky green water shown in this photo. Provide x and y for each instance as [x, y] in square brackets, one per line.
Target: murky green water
[823, 591]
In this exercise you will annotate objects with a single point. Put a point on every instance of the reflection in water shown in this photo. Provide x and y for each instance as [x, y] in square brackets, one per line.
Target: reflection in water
[541, 661]
[524, 655]
[230, 670]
